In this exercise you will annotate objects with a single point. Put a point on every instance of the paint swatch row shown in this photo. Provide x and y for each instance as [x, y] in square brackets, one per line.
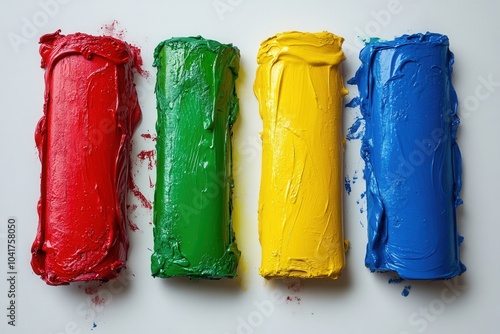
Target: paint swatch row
[413, 164]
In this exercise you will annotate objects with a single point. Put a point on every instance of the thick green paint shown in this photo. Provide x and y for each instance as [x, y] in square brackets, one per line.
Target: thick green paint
[197, 107]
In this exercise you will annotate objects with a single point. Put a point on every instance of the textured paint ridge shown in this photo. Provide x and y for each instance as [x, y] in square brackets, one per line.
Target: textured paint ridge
[83, 139]
[300, 89]
[413, 163]
[197, 108]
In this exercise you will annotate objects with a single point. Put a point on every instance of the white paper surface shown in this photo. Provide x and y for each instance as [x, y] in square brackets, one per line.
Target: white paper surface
[359, 302]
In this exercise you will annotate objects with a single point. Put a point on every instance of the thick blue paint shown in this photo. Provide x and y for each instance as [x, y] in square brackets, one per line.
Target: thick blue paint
[413, 163]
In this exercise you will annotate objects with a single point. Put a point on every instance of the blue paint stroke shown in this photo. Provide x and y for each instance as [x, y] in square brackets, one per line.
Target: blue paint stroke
[347, 185]
[412, 161]
[355, 102]
[355, 131]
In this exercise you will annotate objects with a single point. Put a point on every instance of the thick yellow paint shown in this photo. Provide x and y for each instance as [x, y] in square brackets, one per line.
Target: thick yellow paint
[300, 89]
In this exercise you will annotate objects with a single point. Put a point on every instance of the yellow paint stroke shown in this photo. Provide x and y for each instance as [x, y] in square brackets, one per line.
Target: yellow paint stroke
[300, 89]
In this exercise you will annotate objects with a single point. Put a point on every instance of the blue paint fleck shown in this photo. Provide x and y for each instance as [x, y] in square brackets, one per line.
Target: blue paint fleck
[406, 291]
[361, 223]
[395, 280]
[355, 102]
[355, 131]
[363, 195]
[94, 325]
[361, 210]
[347, 185]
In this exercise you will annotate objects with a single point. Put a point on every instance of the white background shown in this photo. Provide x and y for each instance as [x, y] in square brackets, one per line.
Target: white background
[359, 302]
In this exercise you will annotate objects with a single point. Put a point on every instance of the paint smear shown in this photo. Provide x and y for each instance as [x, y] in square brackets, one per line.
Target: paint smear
[193, 234]
[300, 89]
[83, 138]
[412, 160]
[138, 194]
[355, 102]
[356, 130]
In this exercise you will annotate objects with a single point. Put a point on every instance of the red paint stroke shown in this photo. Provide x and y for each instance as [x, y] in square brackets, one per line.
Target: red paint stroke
[133, 227]
[137, 193]
[83, 140]
[151, 185]
[149, 155]
[148, 136]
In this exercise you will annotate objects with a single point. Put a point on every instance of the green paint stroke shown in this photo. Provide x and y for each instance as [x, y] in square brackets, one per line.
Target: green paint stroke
[197, 107]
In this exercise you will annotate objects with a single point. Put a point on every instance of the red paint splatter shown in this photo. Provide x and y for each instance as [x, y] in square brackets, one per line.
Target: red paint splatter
[151, 185]
[113, 29]
[138, 61]
[295, 286]
[137, 193]
[133, 226]
[91, 290]
[98, 300]
[290, 299]
[147, 154]
[150, 223]
[148, 136]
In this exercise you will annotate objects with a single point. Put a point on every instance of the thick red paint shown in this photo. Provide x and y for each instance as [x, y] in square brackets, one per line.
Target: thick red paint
[83, 139]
